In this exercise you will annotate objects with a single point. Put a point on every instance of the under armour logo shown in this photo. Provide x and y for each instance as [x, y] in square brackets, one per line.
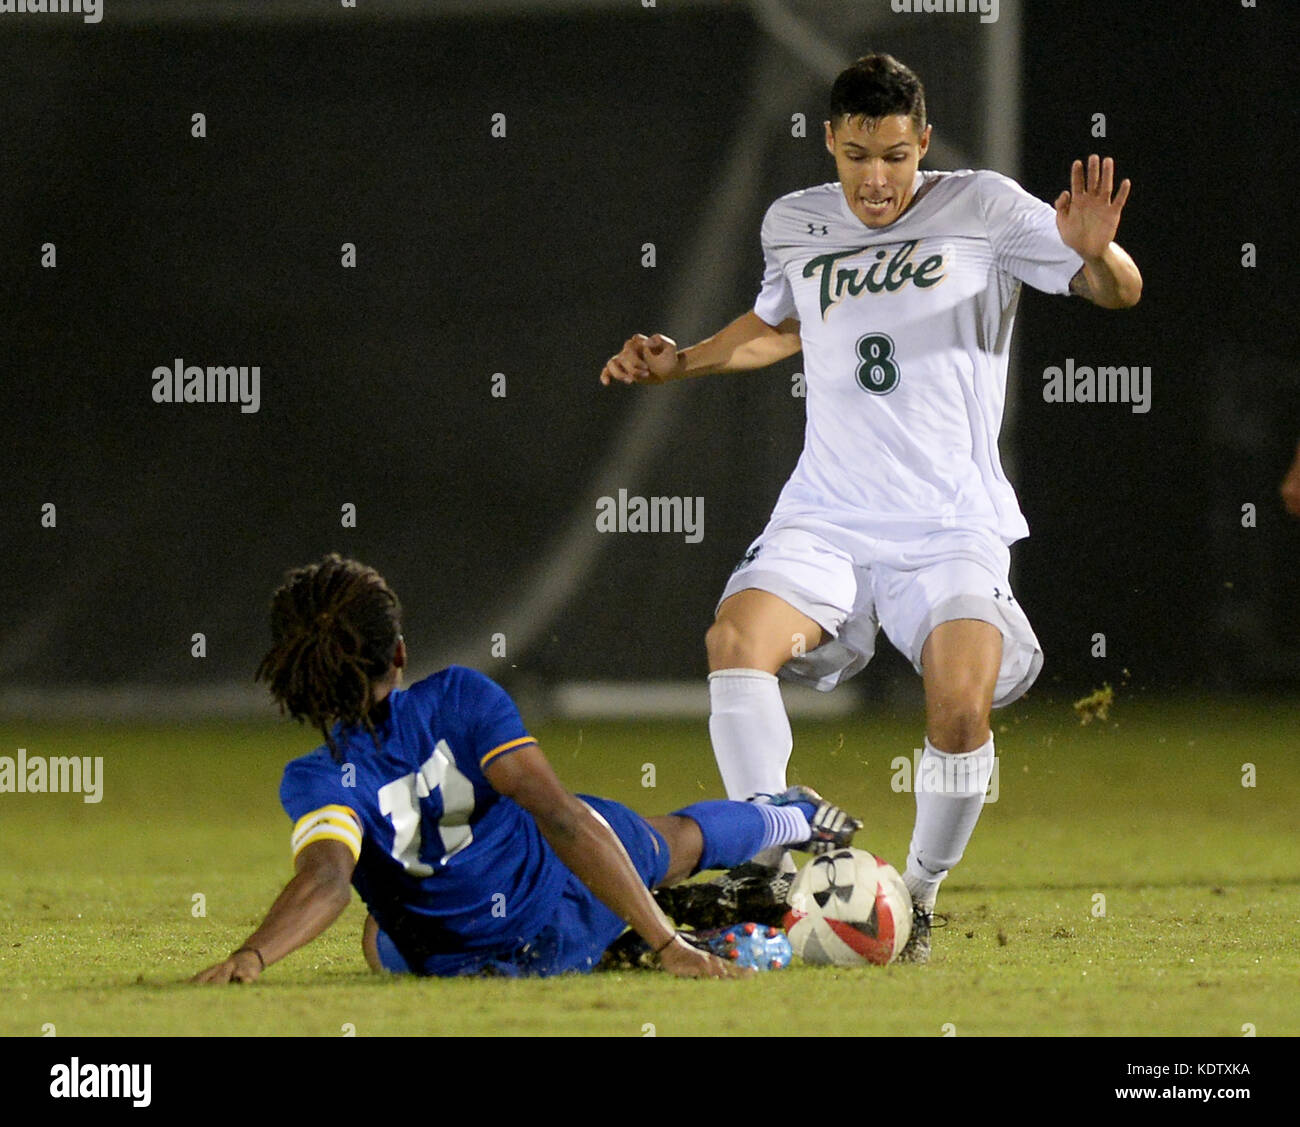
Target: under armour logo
[812, 229]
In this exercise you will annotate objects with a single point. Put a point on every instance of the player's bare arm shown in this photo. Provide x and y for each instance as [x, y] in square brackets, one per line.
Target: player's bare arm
[747, 343]
[584, 841]
[317, 895]
[1087, 217]
[1290, 488]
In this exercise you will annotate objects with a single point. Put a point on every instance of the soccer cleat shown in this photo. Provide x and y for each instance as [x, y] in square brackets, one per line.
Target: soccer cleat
[832, 827]
[747, 945]
[748, 892]
[917, 948]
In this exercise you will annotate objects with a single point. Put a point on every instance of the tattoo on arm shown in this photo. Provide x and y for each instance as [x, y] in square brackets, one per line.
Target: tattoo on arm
[1079, 285]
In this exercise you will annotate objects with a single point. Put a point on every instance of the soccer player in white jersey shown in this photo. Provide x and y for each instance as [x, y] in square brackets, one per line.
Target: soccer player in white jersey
[900, 286]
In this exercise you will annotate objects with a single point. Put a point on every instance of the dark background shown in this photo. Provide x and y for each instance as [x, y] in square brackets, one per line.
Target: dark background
[522, 256]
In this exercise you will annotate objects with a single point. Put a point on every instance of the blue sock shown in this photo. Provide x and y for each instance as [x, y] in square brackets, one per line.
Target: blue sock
[734, 831]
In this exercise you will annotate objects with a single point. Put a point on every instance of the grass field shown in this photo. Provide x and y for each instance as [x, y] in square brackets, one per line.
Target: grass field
[1200, 877]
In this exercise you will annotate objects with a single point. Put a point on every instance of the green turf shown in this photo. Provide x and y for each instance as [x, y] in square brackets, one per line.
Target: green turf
[1200, 877]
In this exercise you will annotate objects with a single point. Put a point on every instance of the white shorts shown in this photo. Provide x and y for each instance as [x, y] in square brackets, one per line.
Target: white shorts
[851, 585]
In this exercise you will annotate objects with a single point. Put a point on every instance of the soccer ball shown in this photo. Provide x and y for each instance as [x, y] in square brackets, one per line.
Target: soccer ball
[848, 908]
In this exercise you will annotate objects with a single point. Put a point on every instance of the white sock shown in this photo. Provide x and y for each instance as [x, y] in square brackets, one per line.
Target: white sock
[949, 790]
[750, 732]
[783, 825]
[751, 739]
[776, 856]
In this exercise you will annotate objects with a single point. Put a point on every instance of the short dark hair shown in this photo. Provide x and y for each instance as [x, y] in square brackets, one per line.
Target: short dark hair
[877, 86]
[335, 626]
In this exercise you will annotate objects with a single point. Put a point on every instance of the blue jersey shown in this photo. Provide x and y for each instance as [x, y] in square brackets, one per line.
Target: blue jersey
[445, 864]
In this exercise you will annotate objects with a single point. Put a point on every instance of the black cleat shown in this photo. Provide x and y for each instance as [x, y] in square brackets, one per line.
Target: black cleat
[917, 948]
[748, 892]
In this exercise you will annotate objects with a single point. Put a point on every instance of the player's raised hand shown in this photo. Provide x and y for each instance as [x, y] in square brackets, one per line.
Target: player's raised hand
[1087, 216]
[688, 961]
[242, 966]
[643, 359]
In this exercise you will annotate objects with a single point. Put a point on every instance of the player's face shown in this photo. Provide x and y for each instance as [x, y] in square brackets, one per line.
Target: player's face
[877, 166]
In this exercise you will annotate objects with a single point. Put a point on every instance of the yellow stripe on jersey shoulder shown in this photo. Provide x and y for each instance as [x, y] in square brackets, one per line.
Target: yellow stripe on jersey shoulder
[329, 823]
[332, 811]
[504, 748]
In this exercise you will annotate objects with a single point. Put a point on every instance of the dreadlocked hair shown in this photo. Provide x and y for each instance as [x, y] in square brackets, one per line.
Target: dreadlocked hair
[335, 626]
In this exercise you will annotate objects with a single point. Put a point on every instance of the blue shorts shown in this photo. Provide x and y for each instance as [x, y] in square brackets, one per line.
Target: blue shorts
[581, 926]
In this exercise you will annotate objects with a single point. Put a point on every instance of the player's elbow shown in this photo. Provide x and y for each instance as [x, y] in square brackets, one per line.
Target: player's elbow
[338, 881]
[561, 820]
[1128, 282]
[1131, 294]
[1124, 296]
[330, 890]
[332, 897]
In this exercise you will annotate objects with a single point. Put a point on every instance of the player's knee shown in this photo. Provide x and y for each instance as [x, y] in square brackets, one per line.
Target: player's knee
[726, 646]
[959, 722]
[733, 646]
[685, 845]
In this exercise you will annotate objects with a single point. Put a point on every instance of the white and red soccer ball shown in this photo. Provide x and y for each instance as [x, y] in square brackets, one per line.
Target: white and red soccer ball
[848, 908]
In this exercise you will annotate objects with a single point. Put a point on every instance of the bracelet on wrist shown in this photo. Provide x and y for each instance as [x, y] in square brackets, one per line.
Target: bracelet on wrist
[666, 945]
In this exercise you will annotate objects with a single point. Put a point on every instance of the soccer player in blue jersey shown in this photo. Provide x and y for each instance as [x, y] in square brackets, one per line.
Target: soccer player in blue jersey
[436, 804]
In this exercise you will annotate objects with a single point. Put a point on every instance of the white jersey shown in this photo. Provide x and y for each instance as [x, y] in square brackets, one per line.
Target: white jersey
[906, 331]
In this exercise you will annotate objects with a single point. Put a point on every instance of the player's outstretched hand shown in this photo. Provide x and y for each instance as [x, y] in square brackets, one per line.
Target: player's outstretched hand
[1086, 216]
[643, 359]
[243, 966]
[687, 961]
